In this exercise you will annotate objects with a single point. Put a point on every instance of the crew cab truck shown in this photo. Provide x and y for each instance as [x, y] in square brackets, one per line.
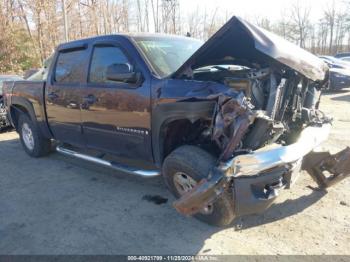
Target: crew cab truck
[227, 123]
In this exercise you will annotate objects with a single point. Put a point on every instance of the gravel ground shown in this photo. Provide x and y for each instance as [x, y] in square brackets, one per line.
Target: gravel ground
[56, 205]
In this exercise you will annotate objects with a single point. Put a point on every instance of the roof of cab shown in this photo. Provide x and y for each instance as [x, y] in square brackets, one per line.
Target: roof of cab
[81, 42]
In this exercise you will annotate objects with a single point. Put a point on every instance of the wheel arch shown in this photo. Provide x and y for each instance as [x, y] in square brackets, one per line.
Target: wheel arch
[170, 119]
[21, 106]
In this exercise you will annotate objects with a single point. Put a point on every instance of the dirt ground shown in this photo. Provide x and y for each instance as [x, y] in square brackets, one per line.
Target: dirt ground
[56, 205]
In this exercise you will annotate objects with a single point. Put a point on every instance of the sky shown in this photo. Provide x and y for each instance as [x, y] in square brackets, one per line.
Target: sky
[272, 9]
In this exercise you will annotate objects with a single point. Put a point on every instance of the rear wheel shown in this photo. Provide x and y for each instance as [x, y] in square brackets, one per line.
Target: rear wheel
[33, 142]
[183, 169]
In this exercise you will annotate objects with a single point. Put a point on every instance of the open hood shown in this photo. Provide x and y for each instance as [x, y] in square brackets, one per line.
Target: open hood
[239, 42]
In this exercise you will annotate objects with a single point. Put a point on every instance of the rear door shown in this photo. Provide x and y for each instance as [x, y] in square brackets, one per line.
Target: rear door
[116, 115]
[63, 95]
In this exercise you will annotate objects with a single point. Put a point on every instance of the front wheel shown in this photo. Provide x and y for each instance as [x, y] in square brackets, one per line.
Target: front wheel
[33, 142]
[183, 169]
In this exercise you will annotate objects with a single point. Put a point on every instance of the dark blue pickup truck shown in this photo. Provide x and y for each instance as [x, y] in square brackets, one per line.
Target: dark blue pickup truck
[228, 123]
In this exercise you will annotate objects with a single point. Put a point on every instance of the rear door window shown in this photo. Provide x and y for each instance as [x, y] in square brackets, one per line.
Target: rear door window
[70, 66]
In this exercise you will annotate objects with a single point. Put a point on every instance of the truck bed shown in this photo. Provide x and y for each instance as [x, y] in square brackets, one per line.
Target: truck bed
[29, 94]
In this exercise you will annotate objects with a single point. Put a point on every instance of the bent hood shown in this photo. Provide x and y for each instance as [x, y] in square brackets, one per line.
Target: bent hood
[240, 42]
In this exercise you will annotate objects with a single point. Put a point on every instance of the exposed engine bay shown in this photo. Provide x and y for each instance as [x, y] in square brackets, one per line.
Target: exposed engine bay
[264, 107]
[267, 124]
[274, 87]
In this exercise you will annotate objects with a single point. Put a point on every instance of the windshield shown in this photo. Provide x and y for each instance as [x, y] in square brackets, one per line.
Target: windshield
[167, 54]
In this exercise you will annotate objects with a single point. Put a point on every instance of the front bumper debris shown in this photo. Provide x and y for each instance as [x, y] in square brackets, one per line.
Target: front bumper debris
[318, 164]
[256, 178]
[204, 193]
[267, 158]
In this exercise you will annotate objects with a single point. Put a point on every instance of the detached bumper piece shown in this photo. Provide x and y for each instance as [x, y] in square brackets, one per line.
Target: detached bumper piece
[203, 194]
[256, 178]
[327, 169]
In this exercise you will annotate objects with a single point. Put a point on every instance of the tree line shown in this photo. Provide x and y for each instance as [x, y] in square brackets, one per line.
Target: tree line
[31, 29]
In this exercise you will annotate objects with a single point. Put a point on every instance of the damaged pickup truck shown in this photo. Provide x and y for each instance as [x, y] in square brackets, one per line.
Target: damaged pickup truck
[227, 123]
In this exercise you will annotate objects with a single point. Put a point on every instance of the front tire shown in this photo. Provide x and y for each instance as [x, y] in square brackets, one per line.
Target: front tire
[33, 142]
[185, 167]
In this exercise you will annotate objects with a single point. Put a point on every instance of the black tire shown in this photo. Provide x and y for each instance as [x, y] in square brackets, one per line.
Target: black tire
[41, 145]
[196, 163]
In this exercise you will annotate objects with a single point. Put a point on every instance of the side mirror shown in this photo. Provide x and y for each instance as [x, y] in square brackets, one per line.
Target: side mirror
[122, 73]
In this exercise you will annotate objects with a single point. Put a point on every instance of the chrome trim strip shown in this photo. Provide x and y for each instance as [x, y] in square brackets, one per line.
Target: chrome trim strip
[113, 165]
[266, 158]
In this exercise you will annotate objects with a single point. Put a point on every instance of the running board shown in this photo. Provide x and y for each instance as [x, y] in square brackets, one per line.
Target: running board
[113, 165]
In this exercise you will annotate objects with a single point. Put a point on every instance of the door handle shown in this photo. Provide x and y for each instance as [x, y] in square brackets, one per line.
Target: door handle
[90, 99]
[52, 96]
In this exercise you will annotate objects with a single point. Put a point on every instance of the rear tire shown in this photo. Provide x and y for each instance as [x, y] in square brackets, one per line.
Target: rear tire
[192, 163]
[33, 142]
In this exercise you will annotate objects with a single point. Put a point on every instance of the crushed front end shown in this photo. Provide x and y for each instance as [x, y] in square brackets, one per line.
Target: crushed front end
[256, 177]
[263, 151]
[268, 122]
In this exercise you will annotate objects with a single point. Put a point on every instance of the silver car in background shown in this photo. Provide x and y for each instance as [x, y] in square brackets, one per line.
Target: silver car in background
[4, 123]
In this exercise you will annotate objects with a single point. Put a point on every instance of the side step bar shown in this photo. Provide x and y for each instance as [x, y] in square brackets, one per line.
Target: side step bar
[113, 165]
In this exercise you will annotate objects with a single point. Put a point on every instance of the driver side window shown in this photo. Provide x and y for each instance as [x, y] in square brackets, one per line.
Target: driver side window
[102, 58]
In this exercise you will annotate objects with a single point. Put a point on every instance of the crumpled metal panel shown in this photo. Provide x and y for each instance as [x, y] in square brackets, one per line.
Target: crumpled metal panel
[233, 116]
[203, 194]
[269, 157]
[317, 164]
[238, 41]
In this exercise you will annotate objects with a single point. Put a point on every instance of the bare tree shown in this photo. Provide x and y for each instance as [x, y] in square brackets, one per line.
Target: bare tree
[300, 22]
[155, 15]
[170, 16]
[194, 20]
[65, 24]
[263, 22]
[30, 29]
[329, 15]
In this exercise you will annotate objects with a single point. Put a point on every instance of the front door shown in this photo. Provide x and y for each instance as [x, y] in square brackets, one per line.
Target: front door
[63, 95]
[115, 115]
